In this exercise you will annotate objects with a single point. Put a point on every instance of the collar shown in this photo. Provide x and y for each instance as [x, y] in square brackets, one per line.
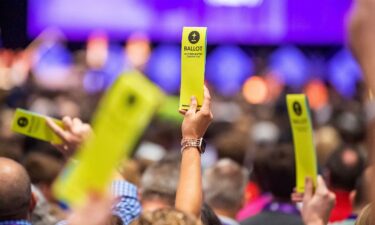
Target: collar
[227, 221]
[282, 207]
[15, 222]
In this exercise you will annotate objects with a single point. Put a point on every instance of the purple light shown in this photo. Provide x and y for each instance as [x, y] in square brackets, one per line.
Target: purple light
[227, 69]
[344, 73]
[164, 66]
[52, 65]
[290, 65]
[228, 21]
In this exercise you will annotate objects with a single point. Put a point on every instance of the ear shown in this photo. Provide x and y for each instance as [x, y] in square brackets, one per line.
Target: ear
[352, 196]
[327, 177]
[33, 202]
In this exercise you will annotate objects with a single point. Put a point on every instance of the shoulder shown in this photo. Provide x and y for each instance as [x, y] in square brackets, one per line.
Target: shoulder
[273, 218]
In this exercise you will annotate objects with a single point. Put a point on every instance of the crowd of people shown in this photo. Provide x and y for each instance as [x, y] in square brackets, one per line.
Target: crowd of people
[244, 176]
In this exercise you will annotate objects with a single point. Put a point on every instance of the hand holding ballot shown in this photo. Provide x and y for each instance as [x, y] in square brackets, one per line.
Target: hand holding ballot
[196, 123]
[317, 206]
[73, 133]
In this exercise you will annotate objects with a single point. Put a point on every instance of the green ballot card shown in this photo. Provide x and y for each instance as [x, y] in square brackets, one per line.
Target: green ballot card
[34, 125]
[300, 121]
[122, 115]
[193, 61]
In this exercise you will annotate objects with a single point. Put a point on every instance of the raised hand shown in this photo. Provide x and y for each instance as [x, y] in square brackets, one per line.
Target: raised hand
[74, 133]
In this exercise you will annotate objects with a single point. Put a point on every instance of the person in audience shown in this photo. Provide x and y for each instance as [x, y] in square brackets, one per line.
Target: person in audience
[43, 170]
[359, 197]
[159, 185]
[224, 189]
[208, 216]
[16, 200]
[342, 170]
[277, 177]
[73, 134]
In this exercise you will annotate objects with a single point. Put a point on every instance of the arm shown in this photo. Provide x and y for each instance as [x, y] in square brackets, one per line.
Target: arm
[361, 41]
[189, 192]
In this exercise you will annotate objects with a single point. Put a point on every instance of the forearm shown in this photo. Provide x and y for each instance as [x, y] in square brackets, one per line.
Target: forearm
[189, 191]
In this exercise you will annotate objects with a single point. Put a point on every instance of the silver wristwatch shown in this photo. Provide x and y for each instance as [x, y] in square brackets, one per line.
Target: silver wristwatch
[200, 144]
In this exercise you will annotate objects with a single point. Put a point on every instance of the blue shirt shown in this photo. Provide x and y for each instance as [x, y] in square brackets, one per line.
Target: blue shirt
[15, 222]
[127, 209]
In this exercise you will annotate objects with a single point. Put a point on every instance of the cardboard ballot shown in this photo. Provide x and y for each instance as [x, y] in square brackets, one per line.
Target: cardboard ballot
[193, 61]
[34, 125]
[123, 114]
[305, 155]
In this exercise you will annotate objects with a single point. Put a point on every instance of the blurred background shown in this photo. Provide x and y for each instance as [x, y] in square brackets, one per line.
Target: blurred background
[57, 57]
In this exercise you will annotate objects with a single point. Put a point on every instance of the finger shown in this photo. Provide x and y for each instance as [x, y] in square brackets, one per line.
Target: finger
[193, 105]
[56, 129]
[297, 197]
[182, 111]
[309, 189]
[77, 126]
[321, 186]
[68, 123]
[206, 105]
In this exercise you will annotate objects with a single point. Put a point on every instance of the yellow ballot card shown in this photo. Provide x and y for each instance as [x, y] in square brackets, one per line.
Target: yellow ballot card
[300, 121]
[193, 61]
[123, 114]
[34, 125]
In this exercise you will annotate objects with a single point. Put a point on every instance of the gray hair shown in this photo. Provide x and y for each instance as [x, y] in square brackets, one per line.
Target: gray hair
[161, 180]
[224, 184]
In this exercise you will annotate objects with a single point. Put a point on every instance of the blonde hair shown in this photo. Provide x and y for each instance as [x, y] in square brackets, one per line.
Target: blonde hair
[364, 217]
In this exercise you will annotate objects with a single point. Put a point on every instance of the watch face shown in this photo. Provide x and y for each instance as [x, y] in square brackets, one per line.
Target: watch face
[203, 146]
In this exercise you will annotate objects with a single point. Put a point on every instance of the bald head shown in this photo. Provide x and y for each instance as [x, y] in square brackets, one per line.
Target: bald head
[15, 190]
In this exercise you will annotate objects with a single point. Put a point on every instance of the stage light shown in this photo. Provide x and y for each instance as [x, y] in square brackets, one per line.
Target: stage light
[97, 80]
[255, 90]
[94, 81]
[317, 94]
[227, 69]
[52, 65]
[138, 50]
[344, 73]
[97, 50]
[290, 65]
[164, 66]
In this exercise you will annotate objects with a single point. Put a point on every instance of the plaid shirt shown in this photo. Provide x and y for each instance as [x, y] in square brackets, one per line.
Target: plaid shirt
[128, 208]
[15, 222]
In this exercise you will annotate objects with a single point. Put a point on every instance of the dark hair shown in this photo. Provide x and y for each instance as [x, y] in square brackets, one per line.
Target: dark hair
[42, 168]
[344, 171]
[274, 170]
[208, 216]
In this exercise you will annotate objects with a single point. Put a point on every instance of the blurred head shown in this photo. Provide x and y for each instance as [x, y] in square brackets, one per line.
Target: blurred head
[208, 216]
[343, 168]
[274, 169]
[43, 170]
[159, 184]
[224, 185]
[166, 216]
[15, 191]
[361, 195]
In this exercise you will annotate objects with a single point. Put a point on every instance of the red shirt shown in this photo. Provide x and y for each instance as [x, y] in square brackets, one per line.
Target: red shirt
[343, 206]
